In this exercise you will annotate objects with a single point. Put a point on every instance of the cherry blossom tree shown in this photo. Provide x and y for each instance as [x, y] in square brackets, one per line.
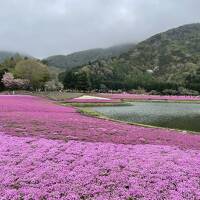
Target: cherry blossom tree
[11, 83]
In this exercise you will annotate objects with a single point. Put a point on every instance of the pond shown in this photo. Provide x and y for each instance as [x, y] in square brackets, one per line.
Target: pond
[184, 116]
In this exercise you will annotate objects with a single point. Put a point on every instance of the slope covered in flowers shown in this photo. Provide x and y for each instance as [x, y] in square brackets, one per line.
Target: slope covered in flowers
[45, 169]
[33, 116]
[89, 158]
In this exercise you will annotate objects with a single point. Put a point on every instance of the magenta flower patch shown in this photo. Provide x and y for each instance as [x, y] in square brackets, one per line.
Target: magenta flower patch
[53, 152]
[45, 169]
[33, 116]
[150, 97]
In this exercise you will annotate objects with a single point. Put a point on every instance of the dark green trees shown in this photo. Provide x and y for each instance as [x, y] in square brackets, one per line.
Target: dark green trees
[77, 80]
[193, 80]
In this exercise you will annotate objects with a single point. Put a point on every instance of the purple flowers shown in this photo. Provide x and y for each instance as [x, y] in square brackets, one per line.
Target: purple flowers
[33, 116]
[89, 158]
[45, 169]
[151, 97]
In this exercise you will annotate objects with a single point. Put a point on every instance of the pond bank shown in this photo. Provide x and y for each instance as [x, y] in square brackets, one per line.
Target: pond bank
[183, 116]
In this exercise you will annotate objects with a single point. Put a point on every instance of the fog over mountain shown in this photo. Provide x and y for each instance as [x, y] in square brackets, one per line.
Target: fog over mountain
[47, 27]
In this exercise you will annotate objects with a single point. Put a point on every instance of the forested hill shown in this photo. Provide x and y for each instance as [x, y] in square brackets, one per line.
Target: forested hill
[84, 57]
[171, 57]
[5, 54]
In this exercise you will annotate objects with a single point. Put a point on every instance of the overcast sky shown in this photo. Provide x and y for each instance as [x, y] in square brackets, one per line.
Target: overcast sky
[47, 27]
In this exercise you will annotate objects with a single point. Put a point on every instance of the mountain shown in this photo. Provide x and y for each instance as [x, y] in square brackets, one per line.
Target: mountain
[4, 55]
[168, 57]
[84, 57]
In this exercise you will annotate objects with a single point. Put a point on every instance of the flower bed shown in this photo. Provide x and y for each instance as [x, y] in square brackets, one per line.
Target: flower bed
[25, 116]
[90, 158]
[150, 97]
[44, 169]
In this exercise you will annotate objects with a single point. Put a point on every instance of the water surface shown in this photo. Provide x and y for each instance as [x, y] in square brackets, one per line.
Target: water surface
[184, 116]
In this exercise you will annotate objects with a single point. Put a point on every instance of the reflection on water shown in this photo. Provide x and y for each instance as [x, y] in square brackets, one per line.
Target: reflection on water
[185, 116]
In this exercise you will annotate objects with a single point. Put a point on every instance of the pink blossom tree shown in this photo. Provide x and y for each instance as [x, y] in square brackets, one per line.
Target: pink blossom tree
[11, 83]
[8, 80]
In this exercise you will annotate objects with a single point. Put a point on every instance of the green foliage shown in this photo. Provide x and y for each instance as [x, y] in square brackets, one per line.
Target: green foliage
[193, 80]
[8, 64]
[165, 61]
[5, 55]
[34, 71]
[53, 85]
[81, 80]
[85, 57]
[2, 72]
[8, 56]
[89, 112]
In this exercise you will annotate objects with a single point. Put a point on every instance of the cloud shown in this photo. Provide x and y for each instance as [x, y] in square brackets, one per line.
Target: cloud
[47, 27]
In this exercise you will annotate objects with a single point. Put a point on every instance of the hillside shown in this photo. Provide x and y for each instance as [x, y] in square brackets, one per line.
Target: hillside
[84, 57]
[4, 55]
[171, 55]
[168, 57]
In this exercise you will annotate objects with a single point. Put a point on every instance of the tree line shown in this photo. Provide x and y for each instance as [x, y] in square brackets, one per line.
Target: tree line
[27, 74]
[86, 80]
[31, 74]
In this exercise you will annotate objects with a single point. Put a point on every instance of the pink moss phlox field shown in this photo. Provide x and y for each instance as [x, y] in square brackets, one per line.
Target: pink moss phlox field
[150, 97]
[90, 158]
[27, 103]
[34, 116]
[37, 169]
